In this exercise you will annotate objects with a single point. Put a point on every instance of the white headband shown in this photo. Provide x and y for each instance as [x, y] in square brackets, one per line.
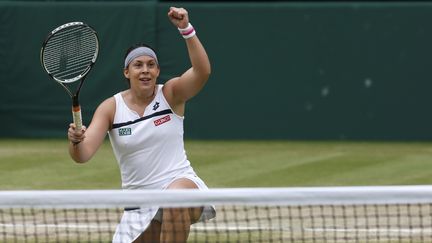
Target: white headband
[140, 51]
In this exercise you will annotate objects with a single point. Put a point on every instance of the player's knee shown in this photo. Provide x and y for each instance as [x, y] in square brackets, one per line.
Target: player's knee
[195, 214]
[183, 216]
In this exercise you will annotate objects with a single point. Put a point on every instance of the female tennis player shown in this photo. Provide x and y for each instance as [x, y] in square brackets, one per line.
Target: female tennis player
[145, 127]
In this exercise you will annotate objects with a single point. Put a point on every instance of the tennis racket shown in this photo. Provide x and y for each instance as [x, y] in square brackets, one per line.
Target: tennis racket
[67, 55]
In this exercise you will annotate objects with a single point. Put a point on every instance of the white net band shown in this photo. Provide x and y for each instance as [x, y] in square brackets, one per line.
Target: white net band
[323, 214]
[234, 196]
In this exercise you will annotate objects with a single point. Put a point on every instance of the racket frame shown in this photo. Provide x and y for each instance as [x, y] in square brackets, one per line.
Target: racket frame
[76, 108]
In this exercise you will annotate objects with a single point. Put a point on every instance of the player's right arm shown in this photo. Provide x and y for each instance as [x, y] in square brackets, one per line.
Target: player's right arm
[84, 144]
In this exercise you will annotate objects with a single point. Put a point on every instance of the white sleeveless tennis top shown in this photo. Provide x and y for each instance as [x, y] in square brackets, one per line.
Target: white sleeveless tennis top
[151, 155]
[149, 149]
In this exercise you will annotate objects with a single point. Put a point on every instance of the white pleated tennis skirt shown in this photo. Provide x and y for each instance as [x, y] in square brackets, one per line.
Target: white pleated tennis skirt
[134, 222]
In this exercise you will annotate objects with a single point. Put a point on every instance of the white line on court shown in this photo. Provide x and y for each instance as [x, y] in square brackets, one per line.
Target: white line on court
[235, 228]
[373, 230]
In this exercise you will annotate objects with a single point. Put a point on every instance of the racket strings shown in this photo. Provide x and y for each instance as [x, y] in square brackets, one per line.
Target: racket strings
[74, 68]
[75, 31]
[70, 57]
[69, 44]
[72, 63]
[53, 48]
[70, 67]
[70, 52]
[77, 34]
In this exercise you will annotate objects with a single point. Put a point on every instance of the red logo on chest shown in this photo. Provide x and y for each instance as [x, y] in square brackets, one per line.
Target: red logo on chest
[162, 120]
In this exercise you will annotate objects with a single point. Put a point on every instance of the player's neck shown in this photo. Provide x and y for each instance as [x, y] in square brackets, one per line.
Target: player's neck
[142, 98]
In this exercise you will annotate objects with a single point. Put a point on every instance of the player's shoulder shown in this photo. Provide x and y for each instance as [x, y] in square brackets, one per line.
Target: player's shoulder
[105, 111]
[108, 103]
[107, 107]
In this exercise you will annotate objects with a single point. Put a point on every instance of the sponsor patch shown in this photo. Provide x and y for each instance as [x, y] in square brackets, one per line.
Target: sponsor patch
[126, 131]
[162, 120]
[156, 106]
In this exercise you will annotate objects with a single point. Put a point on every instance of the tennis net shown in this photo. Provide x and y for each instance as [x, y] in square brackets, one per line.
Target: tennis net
[314, 214]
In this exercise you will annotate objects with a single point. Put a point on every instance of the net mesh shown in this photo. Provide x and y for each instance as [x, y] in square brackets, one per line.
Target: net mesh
[402, 214]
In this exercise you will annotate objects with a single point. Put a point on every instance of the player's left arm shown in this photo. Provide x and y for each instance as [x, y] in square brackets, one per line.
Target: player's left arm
[180, 89]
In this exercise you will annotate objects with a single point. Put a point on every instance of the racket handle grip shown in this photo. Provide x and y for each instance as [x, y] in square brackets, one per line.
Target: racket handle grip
[77, 118]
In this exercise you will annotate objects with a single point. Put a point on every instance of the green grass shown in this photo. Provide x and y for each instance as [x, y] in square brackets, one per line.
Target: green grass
[45, 164]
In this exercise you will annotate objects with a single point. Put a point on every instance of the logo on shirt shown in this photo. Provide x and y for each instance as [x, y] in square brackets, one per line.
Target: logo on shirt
[162, 120]
[125, 131]
[156, 105]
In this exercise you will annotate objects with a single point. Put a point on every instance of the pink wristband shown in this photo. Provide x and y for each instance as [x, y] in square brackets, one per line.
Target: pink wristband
[187, 32]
